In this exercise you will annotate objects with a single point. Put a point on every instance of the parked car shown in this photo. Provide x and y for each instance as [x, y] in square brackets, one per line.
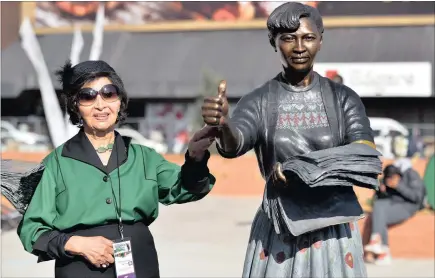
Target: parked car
[385, 130]
[138, 138]
[22, 136]
[23, 139]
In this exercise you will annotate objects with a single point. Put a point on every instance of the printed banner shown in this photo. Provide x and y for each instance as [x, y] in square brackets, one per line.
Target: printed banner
[401, 79]
[52, 17]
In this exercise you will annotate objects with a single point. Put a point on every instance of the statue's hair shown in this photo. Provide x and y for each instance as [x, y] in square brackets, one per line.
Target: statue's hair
[286, 18]
[73, 79]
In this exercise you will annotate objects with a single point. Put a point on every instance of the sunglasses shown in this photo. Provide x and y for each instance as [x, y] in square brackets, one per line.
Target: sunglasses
[108, 93]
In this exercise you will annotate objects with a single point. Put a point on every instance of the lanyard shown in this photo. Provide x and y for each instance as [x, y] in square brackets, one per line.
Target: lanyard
[118, 208]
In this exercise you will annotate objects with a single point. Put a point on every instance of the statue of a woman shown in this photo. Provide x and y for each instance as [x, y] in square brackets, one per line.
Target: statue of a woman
[296, 112]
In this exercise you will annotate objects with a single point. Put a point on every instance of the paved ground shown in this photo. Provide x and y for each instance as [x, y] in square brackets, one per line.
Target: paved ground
[203, 239]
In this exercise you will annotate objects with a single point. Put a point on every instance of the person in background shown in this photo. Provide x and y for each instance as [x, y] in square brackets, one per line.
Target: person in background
[401, 195]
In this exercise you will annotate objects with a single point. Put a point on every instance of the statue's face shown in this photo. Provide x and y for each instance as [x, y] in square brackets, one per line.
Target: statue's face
[297, 50]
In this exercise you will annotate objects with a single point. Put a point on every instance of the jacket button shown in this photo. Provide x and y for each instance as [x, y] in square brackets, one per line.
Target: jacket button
[108, 201]
[105, 179]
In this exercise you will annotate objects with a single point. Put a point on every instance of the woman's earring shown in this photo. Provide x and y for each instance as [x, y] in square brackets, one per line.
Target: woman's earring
[81, 122]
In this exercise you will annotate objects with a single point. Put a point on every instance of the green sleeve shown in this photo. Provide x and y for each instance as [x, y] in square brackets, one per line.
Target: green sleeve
[40, 213]
[176, 185]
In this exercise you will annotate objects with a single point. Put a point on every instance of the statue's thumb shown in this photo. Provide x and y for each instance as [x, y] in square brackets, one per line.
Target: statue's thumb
[222, 89]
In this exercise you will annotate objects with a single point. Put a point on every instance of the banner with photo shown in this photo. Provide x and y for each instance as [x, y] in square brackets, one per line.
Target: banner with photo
[56, 16]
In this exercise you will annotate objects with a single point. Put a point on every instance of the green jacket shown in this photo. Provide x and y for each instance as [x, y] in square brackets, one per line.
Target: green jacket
[76, 189]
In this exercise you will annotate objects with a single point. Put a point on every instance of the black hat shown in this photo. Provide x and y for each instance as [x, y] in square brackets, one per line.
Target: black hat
[69, 75]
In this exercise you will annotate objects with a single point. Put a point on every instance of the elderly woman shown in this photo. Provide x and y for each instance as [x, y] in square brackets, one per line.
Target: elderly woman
[297, 112]
[99, 192]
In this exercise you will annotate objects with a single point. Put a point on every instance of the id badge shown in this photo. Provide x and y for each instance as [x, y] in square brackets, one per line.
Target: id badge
[123, 254]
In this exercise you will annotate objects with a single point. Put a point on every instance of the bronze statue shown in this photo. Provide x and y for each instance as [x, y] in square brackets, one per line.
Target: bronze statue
[296, 112]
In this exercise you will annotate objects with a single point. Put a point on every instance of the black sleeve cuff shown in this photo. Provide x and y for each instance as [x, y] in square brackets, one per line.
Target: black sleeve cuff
[195, 174]
[51, 246]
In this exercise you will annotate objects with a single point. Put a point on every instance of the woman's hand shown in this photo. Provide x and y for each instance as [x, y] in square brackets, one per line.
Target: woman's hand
[215, 109]
[97, 250]
[201, 141]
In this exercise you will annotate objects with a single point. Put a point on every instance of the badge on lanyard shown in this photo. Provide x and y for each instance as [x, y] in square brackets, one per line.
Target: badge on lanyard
[123, 254]
[122, 249]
